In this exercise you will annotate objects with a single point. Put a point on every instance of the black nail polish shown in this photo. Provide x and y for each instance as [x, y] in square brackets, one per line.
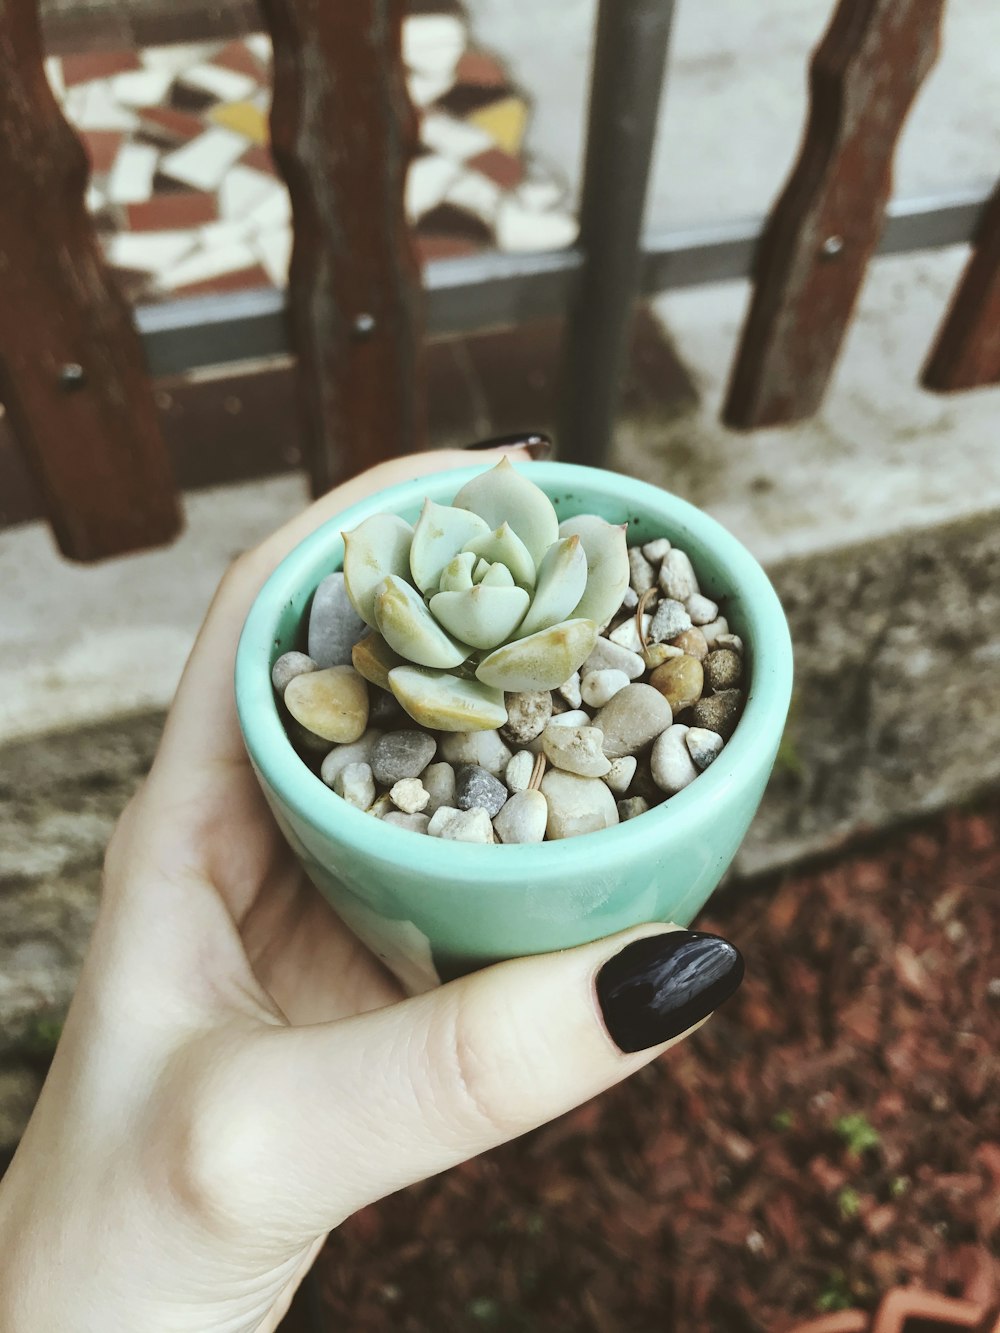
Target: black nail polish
[539, 446]
[662, 985]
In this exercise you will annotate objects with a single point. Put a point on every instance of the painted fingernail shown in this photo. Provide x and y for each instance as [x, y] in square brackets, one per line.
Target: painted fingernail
[539, 446]
[662, 985]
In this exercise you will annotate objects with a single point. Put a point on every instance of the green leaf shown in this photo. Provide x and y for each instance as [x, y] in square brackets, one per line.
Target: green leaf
[443, 702]
[441, 532]
[562, 577]
[503, 546]
[482, 616]
[542, 661]
[607, 565]
[858, 1133]
[457, 573]
[410, 630]
[376, 548]
[504, 495]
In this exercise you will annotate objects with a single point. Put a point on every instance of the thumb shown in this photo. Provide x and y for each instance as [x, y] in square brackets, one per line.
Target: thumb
[370, 1104]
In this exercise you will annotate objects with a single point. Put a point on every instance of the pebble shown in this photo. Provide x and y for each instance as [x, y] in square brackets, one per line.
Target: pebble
[474, 787]
[356, 784]
[642, 575]
[401, 754]
[570, 689]
[627, 634]
[387, 713]
[692, 642]
[703, 746]
[518, 772]
[460, 825]
[485, 749]
[658, 653]
[305, 740]
[573, 717]
[334, 625]
[577, 805]
[630, 600]
[597, 687]
[410, 795]
[656, 550]
[680, 681]
[634, 805]
[528, 714]
[643, 785]
[331, 702]
[677, 576]
[702, 610]
[732, 641]
[719, 712]
[523, 818]
[723, 669]
[714, 630]
[382, 807]
[576, 750]
[359, 752]
[619, 776]
[439, 783]
[670, 620]
[608, 656]
[288, 666]
[416, 823]
[633, 718]
[670, 763]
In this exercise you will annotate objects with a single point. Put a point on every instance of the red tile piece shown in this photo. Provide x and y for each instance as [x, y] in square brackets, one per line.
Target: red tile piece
[87, 65]
[242, 280]
[504, 168]
[179, 124]
[238, 56]
[173, 212]
[260, 159]
[102, 148]
[481, 70]
[443, 247]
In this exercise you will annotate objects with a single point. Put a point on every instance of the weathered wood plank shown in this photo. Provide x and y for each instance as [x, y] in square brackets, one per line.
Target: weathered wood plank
[966, 353]
[343, 132]
[71, 26]
[72, 376]
[825, 226]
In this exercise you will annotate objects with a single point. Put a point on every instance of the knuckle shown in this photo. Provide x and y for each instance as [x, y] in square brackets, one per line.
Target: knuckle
[482, 1079]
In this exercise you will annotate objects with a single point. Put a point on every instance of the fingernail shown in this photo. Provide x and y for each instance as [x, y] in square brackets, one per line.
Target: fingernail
[539, 446]
[662, 985]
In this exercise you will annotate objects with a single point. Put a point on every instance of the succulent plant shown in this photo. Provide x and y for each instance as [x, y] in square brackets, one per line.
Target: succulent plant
[487, 594]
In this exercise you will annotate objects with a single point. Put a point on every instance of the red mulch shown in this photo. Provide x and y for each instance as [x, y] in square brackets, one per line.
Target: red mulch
[834, 1130]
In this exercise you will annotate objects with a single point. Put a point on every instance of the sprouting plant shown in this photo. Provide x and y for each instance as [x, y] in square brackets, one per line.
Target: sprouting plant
[857, 1132]
[487, 594]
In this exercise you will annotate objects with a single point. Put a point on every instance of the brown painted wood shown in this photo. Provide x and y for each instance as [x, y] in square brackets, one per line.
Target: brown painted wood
[966, 353]
[72, 376]
[826, 224]
[72, 26]
[343, 132]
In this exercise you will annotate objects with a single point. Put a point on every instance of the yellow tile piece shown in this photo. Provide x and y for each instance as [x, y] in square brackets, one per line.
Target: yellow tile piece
[504, 121]
[242, 117]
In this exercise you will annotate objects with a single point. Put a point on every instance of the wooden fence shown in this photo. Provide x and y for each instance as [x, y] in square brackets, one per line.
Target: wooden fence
[77, 368]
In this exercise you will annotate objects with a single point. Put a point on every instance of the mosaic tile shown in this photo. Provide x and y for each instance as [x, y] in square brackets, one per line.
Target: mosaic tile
[92, 106]
[523, 230]
[453, 138]
[457, 223]
[179, 57]
[253, 275]
[102, 148]
[178, 124]
[243, 118]
[259, 158]
[205, 161]
[477, 194]
[242, 188]
[224, 84]
[91, 65]
[504, 121]
[427, 88]
[427, 182]
[130, 180]
[506, 169]
[432, 42]
[431, 247]
[210, 264]
[275, 250]
[141, 87]
[480, 70]
[241, 57]
[151, 252]
[170, 212]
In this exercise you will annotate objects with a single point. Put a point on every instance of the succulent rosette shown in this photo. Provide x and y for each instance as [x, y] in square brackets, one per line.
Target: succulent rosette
[488, 594]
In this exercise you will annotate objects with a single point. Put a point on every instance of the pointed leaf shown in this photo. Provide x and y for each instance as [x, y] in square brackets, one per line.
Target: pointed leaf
[483, 616]
[503, 495]
[410, 629]
[562, 578]
[504, 546]
[543, 660]
[607, 565]
[498, 576]
[377, 547]
[443, 702]
[457, 573]
[481, 570]
[441, 532]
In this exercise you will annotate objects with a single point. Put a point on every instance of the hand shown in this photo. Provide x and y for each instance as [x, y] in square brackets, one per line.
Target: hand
[237, 1074]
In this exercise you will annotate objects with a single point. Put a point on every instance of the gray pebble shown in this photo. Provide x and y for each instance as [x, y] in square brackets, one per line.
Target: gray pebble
[518, 772]
[670, 763]
[334, 625]
[677, 576]
[619, 776]
[410, 796]
[523, 818]
[475, 787]
[597, 687]
[576, 750]
[528, 714]
[401, 754]
[577, 805]
[703, 746]
[656, 550]
[304, 739]
[386, 712]
[719, 712]
[642, 575]
[608, 656]
[485, 749]
[670, 620]
[358, 752]
[356, 785]
[416, 823]
[634, 805]
[288, 666]
[439, 783]
[633, 718]
[570, 690]
[461, 825]
[723, 669]
[702, 610]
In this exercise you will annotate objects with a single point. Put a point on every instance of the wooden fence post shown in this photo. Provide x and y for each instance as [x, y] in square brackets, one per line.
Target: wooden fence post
[72, 377]
[824, 228]
[343, 132]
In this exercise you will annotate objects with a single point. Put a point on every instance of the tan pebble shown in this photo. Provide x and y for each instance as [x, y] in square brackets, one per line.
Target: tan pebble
[692, 642]
[658, 653]
[576, 750]
[374, 659]
[332, 703]
[632, 719]
[680, 681]
[410, 795]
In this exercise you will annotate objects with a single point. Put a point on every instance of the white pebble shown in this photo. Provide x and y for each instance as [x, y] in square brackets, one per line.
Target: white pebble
[715, 630]
[627, 635]
[597, 687]
[484, 749]
[732, 641]
[608, 656]
[519, 770]
[570, 690]
[656, 550]
[410, 795]
[359, 752]
[677, 577]
[577, 805]
[382, 807]
[703, 746]
[439, 783]
[417, 823]
[702, 610]
[576, 750]
[461, 825]
[620, 774]
[642, 575]
[670, 763]
[523, 818]
[356, 784]
[573, 717]
[630, 600]
[288, 666]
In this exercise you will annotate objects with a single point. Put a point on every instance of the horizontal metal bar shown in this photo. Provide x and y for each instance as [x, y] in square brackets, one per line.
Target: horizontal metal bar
[492, 290]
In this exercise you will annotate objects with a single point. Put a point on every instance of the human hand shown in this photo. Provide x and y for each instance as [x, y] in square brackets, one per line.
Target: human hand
[237, 1074]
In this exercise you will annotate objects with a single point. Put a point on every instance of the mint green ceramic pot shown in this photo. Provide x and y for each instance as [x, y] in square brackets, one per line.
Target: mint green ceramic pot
[433, 909]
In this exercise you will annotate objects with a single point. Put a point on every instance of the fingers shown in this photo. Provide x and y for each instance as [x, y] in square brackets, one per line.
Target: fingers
[361, 1108]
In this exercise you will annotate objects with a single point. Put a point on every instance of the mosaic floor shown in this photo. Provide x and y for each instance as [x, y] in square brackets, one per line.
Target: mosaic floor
[185, 193]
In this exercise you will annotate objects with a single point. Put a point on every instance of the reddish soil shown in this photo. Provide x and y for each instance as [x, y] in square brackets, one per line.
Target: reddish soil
[833, 1131]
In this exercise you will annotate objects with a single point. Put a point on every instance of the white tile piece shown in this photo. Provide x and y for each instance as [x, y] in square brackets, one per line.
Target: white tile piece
[275, 250]
[177, 58]
[204, 162]
[520, 230]
[452, 137]
[141, 87]
[215, 234]
[242, 189]
[94, 199]
[54, 74]
[274, 211]
[539, 194]
[427, 88]
[432, 43]
[476, 193]
[228, 85]
[93, 106]
[427, 182]
[130, 180]
[149, 251]
[206, 264]
[260, 45]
